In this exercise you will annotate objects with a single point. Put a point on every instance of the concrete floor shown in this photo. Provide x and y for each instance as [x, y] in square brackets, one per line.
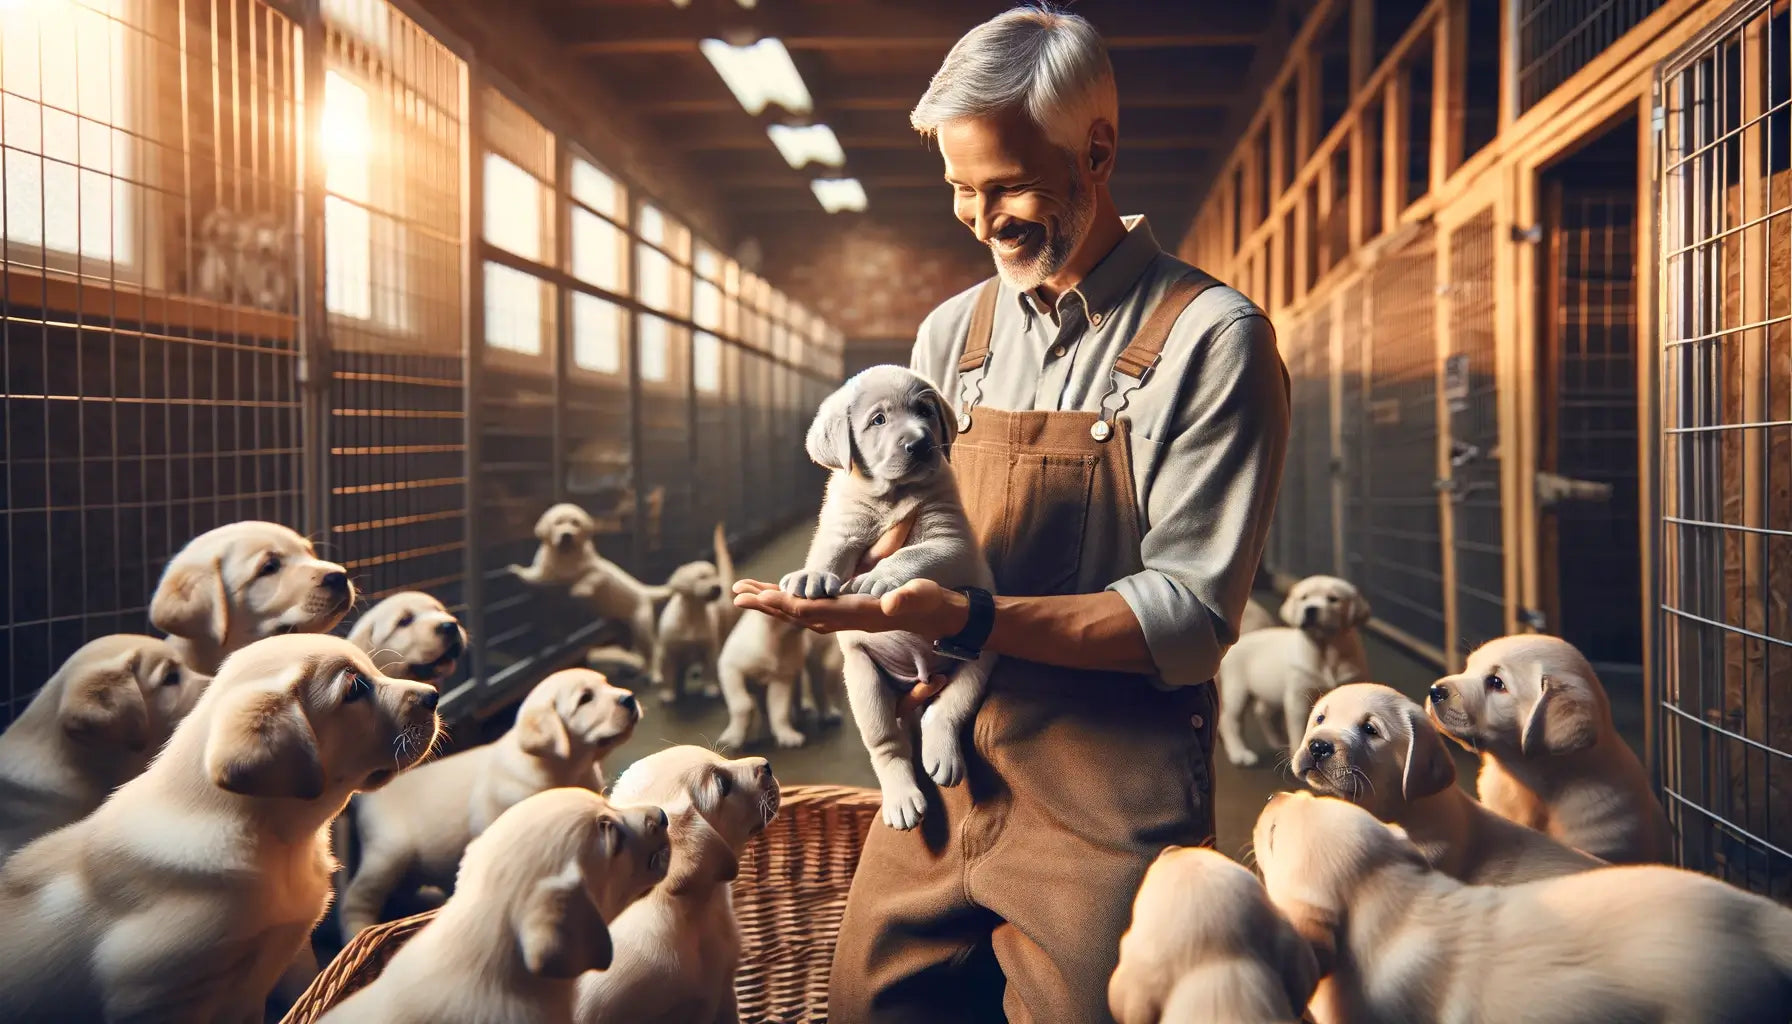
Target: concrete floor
[837, 756]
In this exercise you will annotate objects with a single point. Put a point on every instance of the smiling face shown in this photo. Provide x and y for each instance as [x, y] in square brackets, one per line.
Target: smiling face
[1368, 744]
[1031, 201]
[1524, 696]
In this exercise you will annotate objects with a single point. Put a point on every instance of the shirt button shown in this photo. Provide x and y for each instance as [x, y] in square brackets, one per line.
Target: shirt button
[1058, 351]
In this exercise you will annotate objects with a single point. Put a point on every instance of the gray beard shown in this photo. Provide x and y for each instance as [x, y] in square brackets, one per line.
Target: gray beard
[1031, 272]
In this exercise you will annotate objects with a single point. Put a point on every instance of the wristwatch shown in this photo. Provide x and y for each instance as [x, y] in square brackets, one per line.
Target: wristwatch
[967, 643]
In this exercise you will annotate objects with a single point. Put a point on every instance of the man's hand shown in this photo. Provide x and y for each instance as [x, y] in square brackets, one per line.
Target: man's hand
[922, 607]
[918, 697]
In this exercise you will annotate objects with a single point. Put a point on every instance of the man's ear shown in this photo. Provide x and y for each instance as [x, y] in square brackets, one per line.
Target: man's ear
[829, 441]
[1428, 769]
[263, 745]
[104, 705]
[541, 733]
[559, 930]
[191, 601]
[1562, 721]
[1103, 147]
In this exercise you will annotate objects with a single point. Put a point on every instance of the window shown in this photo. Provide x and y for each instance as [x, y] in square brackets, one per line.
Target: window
[67, 114]
[597, 333]
[654, 338]
[597, 250]
[706, 295]
[517, 310]
[706, 362]
[518, 209]
[348, 183]
[596, 189]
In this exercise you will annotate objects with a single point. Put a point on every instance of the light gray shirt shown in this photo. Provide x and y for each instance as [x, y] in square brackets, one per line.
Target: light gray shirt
[1209, 428]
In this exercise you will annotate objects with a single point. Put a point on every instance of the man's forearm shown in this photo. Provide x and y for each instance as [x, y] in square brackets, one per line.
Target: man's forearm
[1084, 631]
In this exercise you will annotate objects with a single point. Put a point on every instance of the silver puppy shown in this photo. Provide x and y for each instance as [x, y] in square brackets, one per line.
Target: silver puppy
[884, 435]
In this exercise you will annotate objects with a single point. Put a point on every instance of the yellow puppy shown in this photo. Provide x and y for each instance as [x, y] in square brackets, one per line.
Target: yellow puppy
[412, 636]
[91, 728]
[1206, 945]
[1400, 943]
[527, 918]
[1368, 744]
[1550, 757]
[234, 585]
[192, 888]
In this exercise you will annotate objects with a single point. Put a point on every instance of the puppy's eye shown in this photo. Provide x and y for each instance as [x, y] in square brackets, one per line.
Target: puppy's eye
[1370, 730]
[269, 567]
[406, 619]
[1496, 683]
[359, 686]
[725, 782]
[586, 697]
[1319, 719]
[172, 678]
[878, 420]
[1332, 599]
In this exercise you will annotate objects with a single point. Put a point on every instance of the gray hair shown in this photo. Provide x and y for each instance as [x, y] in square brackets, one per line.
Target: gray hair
[1051, 65]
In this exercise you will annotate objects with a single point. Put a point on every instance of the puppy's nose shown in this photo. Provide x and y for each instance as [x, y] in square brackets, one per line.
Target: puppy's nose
[919, 446]
[336, 581]
[715, 593]
[660, 813]
[430, 698]
[628, 703]
[448, 628]
[1321, 749]
[1309, 616]
[764, 771]
[1439, 693]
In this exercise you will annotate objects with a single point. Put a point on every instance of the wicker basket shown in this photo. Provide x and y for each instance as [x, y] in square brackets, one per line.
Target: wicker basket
[789, 899]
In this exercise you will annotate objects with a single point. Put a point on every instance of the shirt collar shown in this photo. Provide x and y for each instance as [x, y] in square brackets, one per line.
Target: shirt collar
[1103, 287]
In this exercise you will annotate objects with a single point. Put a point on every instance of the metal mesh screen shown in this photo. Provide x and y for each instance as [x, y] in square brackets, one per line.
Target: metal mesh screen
[1315, 404]
[1725, 711]
[1472, 398]
[1556, 38]
[1353, 433]
[147, 310]
[392, 213]
[1402, 572]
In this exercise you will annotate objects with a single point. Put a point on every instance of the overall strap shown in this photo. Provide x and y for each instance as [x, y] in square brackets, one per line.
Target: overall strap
[983, 324]
[1148, 344]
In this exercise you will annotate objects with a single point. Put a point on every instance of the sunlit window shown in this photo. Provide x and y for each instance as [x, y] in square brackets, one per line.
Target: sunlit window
[596, 189]
[653, 278]
[517, 308]
[66, 123]
[706, 362]
[598, 248]
[348, 223]
[517, 210]
[597, 334]
[654, 341]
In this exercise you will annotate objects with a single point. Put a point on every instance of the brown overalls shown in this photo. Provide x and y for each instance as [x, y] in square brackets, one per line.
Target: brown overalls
[1013, 893]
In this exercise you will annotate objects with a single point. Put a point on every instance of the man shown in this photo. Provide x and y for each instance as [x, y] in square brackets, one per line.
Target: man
[1123, 426]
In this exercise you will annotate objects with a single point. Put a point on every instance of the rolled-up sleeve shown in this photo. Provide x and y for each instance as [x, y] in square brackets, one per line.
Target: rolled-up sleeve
[1209, 501]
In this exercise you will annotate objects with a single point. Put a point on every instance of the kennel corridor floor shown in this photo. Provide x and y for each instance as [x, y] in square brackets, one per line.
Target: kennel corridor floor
[837, 755]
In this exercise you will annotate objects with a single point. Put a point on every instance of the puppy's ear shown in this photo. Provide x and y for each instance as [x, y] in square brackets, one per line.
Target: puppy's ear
[543, 525]
[362, 635]
[263, 746]
[1318, 929]
[1562, 721]
[560, 931]
[1288, 613]
[1133, 1000]
[829, 442]
[699, 854]
[1428, 769]
[541, 733]
[942, 413]
[104, 705]
[1299, 965]
[191, 601]
[1360, 612]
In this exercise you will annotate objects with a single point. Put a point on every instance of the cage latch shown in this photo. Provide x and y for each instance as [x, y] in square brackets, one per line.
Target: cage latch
[1553, 489]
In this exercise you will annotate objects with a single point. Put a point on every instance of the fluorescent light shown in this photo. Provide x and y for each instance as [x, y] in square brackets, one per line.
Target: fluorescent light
[758, 74]
[800, 145]
[837, 194]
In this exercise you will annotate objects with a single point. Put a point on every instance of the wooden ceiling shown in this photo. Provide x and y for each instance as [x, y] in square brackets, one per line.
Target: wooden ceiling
[1182, 71]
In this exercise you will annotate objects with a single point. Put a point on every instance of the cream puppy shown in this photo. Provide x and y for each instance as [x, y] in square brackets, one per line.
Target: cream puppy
[239, 583]
[527, 918]
[191, 889]
[1402, 943]
[1550, 757]
[413, 832]
[1278, 671]
[823, 669]
[94, 726]
[567, 557]
[688, 634]
[766, 652]
[411, 635]
[1206, 945]
[1368, 744]
[677, 949]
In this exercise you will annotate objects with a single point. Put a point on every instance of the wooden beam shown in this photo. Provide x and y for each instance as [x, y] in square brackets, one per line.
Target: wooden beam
[1123, 182]
[1362, 42]
[1449, 93]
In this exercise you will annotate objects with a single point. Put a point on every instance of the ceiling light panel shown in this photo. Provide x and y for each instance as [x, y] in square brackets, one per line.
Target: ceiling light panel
[801, 146]
[759, 74]
[837, 195]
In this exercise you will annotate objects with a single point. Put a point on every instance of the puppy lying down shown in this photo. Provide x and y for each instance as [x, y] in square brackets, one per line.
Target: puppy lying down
[1400, 943]
[191, 889]
[1206, 945]
[94, 726]
[1368, 744]
[677, 949]
[413, 832]
[884, 436]
[527, 918]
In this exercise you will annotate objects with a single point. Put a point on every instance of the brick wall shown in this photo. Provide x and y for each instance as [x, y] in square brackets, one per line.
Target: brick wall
[875, 280]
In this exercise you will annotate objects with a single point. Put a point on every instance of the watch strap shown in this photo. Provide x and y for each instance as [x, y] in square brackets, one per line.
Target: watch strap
[967, 643]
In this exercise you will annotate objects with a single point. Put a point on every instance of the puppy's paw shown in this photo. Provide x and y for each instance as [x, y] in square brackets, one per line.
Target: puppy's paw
[870, 583]
[940, 753]
[666, 694]
[1242, 758]
[810, 583]
[832, 717]
[712, 691]
[730, 742]
[903, 806]
[788, 737]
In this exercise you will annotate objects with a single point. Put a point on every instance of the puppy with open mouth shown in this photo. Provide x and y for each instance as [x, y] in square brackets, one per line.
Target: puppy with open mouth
[411, 635]
[677, 949]
[1370, 745]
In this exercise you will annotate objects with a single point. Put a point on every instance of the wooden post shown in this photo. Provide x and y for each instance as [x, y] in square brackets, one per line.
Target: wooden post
[1449, 69]
[1393, 150]
[1362, 42]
